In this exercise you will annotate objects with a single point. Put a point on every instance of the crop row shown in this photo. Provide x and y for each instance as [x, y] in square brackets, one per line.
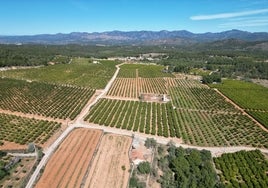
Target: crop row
[133, 87]
[43, 99]
[198, 98]
[151, 118]
[184, 83]
[80, 72]
[193, 126]
[219, 129]
[26, 130]
[252, 97]
[143, 71]
[262, 117]
[243, 169]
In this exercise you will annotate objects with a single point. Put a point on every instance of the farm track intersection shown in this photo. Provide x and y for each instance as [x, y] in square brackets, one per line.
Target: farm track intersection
[79, 123]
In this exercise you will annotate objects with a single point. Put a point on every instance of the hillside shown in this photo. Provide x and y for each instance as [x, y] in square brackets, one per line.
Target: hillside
[181, 37]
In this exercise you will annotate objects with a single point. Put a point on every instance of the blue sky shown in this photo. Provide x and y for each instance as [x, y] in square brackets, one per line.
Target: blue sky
[27, 17]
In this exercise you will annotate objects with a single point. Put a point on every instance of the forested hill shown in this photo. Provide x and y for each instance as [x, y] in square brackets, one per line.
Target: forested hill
[181, 37]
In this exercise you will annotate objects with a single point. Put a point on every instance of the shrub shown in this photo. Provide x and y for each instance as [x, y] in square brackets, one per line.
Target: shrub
[144, 167]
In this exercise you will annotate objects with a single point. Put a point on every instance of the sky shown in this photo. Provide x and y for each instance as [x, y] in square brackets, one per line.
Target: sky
[29, 17]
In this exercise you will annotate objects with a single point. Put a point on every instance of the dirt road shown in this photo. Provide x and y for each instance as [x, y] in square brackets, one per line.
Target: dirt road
[216, 151]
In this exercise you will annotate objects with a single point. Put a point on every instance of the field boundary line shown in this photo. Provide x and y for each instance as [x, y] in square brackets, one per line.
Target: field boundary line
[242, 110]
[91, 161]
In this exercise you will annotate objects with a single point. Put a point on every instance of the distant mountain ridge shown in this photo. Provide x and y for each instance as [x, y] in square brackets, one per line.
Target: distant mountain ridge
[181, 37]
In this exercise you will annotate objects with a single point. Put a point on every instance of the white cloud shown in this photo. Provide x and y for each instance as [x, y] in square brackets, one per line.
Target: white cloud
[229, 15]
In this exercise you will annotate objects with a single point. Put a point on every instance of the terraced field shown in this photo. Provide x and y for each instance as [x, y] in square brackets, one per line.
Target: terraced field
[43, 99]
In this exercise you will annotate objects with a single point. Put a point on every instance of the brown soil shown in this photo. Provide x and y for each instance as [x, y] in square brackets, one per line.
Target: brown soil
[12, 146]
[68, 165]
[54, 137]
[108, 166]
[35, 116]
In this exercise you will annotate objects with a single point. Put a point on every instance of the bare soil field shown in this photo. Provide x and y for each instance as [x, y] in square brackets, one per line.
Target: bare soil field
[111, 165]
[68, 165]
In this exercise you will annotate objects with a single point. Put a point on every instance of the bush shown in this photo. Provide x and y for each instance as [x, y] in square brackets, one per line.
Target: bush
[150, 143]
[144, 167]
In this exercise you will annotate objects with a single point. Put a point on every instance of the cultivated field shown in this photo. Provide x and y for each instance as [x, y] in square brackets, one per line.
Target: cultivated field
[111, 164]
[251, 97]
[68, 165]
[133, 87]
[190, 94]
[143, 71]
[80, 72]
[243, 169]
[43, 99]
[25, 130]
[196, 113]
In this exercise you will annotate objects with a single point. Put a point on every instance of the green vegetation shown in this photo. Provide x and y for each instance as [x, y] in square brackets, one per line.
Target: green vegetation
[189, 94]
[211, 78]
[43, 99]
[262, 117]
[187, 168]
[150, 143]
[227, 62]
[197, 114]
[3, 171]
[24, 130]
[144, 168]
[151, 118]
[230, 59]
[243, 169]
[197, 127]
[252, 97]
[143, 71]
[80, 72]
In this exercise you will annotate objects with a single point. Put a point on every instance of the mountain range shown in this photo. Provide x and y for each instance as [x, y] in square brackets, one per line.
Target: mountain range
[181, 37]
